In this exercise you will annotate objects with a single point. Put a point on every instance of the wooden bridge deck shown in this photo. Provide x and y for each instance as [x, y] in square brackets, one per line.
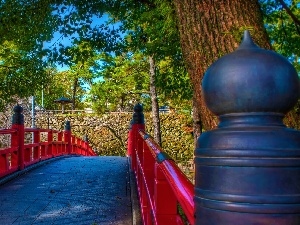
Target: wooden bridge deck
[70, 190]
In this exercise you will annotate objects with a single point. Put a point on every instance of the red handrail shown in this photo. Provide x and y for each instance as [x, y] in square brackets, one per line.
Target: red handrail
[161, 184]
[181, 185]
[18, 154]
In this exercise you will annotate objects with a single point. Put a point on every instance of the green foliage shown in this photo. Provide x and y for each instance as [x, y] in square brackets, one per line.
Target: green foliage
[284, 32]
[174, 84]
[23, 28]
[150, 28]
[21, 73]
[59, 85]
[137, 28]
[124, 82]
[283, 28]
[26, 23]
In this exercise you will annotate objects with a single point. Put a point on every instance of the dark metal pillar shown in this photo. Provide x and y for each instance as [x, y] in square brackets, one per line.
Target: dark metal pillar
[248, 169]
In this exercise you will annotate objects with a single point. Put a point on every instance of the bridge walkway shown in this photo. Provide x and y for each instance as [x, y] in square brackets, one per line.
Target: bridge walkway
[70, 190]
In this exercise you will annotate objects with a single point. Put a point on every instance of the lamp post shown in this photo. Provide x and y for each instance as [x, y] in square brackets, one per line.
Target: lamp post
[33, 111]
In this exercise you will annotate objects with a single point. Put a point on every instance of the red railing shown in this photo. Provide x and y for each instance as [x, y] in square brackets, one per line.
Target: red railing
[45, 144]
[162, 186]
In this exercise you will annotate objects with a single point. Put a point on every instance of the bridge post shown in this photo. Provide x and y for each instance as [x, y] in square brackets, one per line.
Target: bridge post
[17, 138]
[67, 137]
[86, 144]
[50, 146]
[36, 149]
[248, 169]
[134, 141]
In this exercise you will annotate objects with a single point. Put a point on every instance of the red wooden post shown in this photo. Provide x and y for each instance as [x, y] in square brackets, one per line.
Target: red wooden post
[14, 155]
[129, 142]
[18, 138]
[36, 151]
[60, 146]
[86, 145]
[135, 143]
[79, 146]
[67, 137]
[50, 143]
[74, 147]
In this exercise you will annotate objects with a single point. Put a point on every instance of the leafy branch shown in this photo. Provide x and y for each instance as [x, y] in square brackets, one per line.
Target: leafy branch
[292, 15]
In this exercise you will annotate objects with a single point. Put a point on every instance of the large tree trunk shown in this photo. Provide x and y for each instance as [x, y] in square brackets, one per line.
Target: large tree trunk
[210, 29]
[197, 123]
[154, 102]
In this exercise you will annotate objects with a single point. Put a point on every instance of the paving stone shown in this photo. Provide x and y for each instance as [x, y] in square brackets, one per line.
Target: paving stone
[72, 190]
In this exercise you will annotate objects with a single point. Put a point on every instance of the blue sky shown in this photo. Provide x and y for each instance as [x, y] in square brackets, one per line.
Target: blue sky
[58, 38]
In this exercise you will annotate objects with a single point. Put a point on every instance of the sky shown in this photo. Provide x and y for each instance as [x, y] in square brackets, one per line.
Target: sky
[58, 38]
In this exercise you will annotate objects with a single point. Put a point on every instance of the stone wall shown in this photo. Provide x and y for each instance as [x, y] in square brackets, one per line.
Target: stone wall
[107, 134]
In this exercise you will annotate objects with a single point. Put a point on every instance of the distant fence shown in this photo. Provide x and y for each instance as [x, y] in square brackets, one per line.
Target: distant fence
[89, 111]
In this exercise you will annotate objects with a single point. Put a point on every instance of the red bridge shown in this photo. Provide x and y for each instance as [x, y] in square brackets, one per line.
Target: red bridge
[58, 179]
[247, 171]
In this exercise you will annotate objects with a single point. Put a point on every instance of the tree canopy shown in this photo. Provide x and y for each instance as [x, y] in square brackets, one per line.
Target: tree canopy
[108, 42]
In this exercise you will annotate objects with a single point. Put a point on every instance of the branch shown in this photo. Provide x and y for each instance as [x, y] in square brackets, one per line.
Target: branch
[291, 14]
[9, 67]
[116, 135]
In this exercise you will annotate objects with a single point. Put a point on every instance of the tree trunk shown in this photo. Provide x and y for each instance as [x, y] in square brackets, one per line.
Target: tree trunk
[75, 85]
[197, 123]
[154, 102]
[210, 29]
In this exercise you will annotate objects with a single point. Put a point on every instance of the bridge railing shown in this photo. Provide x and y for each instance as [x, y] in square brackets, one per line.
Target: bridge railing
[247, 169]
[162, 186]
[44, 144]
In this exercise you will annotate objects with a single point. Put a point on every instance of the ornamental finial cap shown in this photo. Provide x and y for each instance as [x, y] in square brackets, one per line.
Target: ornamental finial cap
[18, 117]
[247, 42]
[250, 79]
[18, 109]
[138, 108]
[138, 116]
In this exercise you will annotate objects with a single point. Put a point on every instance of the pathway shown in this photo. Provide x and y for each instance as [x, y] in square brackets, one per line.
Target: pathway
[71, 190]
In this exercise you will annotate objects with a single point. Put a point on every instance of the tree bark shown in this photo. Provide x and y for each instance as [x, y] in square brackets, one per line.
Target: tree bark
[154, 102]
[197, 123]
[210, 29]
[75, 85]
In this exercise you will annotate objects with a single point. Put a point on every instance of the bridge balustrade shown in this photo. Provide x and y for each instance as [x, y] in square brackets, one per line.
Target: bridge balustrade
[247, 170]
[162, 186]
[45, 144]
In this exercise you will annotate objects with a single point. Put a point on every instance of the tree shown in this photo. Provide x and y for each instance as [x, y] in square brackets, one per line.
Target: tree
[21, 73]
[283, 27]
[209, 30]
[150, 28]
[60, 84]
[24, 25]
[124, 82]
[83, 67]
